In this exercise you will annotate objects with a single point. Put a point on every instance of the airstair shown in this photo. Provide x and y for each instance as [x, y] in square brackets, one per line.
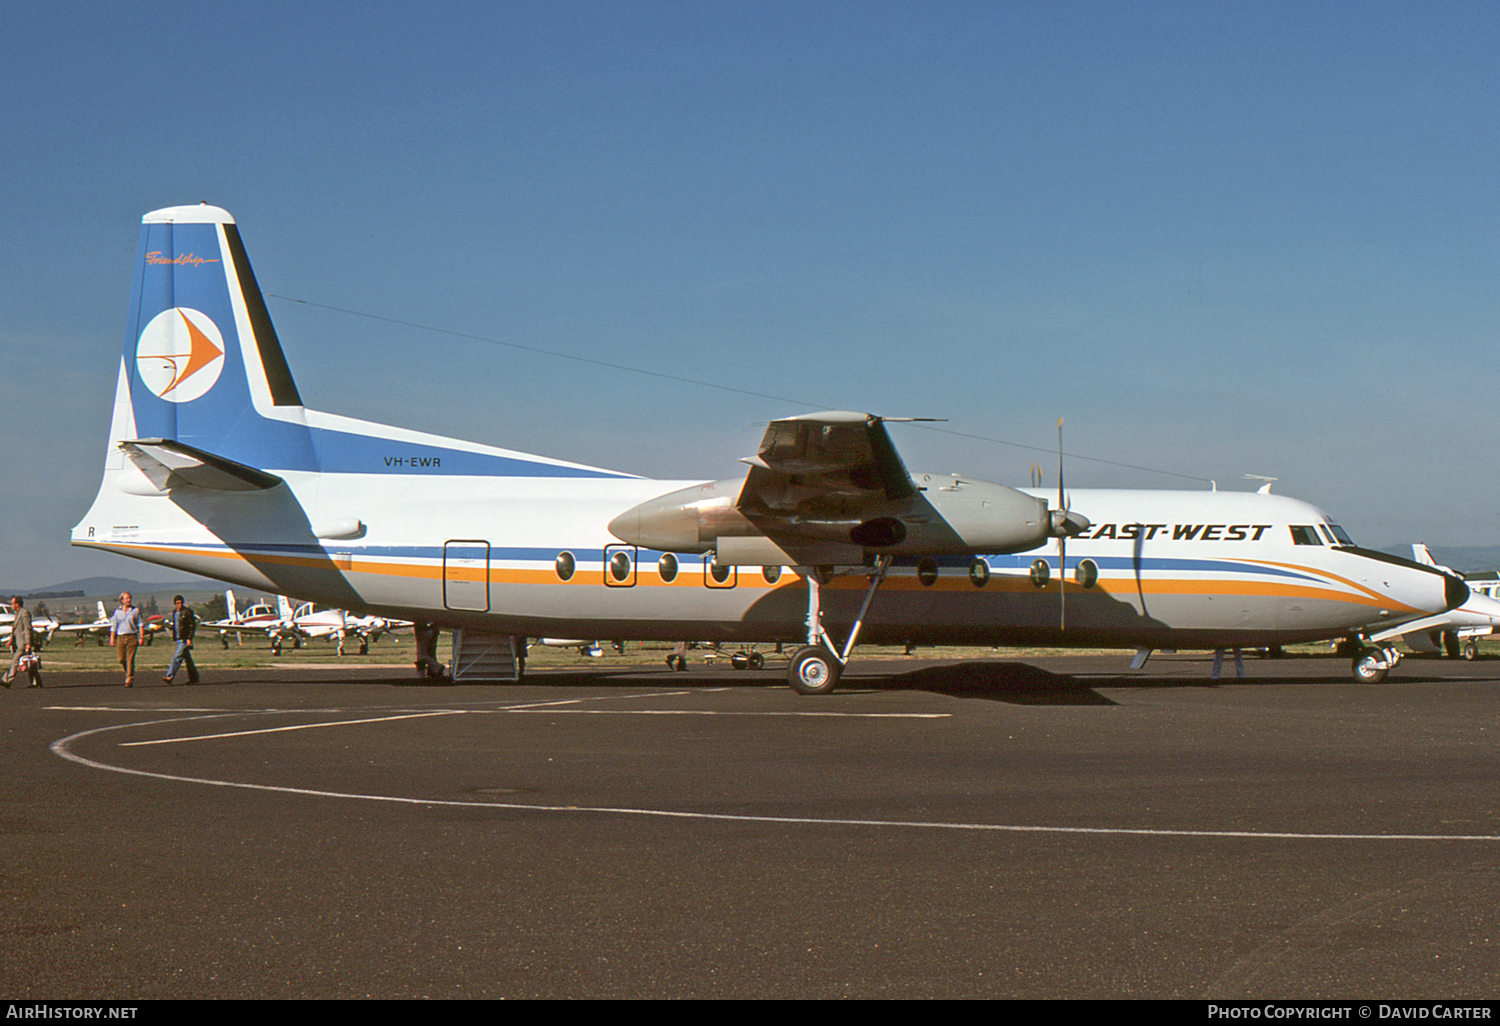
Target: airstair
[479, 657]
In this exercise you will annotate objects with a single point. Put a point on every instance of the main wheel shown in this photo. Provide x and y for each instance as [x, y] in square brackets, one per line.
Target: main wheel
[1471, 650]
[1368, 667]
[813, 671]
[757, 661]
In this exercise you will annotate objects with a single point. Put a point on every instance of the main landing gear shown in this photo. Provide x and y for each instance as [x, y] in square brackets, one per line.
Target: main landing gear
[816, 668]
[1371, 664]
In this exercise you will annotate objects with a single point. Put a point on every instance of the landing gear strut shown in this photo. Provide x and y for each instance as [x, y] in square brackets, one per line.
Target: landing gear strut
[816, 668]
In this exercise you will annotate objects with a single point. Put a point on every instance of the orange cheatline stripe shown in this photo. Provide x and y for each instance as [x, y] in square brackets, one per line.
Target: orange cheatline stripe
[1006, 583]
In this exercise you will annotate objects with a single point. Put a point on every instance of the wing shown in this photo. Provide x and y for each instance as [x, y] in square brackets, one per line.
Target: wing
[824, 468]
[829, 488]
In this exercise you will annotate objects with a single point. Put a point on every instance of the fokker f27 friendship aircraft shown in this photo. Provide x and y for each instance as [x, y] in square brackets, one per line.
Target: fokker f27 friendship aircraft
[215, 466]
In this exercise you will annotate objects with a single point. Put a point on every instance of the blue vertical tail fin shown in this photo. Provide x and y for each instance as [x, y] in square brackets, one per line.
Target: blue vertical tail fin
[202, 364]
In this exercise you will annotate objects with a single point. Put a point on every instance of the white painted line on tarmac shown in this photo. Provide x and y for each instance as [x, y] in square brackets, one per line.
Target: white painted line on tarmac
[294, 726]
[722, 712]
[134, 709]
[61, 749]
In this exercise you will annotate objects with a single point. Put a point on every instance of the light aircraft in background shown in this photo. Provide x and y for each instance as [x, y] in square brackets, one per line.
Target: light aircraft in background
[281, 623]
[1455, 632]
[307, 622]
[215, 466]
[258, 617]
[42, 628]
[98, 629]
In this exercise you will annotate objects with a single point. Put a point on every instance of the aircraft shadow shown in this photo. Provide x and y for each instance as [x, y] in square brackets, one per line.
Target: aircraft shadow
[998, 681]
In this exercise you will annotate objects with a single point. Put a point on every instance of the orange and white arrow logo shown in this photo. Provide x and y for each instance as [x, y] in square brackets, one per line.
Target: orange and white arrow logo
[180, 354]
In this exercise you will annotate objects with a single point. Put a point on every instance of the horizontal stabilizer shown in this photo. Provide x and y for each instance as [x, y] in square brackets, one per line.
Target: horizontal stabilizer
[170, 464]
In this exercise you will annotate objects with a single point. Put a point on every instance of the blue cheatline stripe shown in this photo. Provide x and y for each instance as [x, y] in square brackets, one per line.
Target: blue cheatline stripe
[594, 553]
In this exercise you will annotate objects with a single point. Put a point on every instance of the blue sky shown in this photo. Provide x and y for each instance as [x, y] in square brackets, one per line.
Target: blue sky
[1220, 238]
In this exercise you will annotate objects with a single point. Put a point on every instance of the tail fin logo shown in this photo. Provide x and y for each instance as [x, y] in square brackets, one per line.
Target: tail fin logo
[180, 354]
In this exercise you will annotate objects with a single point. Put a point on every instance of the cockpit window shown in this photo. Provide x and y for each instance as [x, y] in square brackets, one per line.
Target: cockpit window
[1341, 534]
[1305, 535]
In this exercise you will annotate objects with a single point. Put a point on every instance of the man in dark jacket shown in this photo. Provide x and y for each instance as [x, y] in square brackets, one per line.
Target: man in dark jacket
[184, 623]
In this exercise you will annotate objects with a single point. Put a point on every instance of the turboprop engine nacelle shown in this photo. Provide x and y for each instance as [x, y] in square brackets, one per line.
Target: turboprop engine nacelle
[948, 515]
[687, 520]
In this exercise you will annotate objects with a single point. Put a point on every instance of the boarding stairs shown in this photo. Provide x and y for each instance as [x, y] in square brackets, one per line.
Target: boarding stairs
[479, 657]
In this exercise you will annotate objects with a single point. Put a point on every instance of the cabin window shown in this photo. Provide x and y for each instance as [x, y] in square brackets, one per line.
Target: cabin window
[772, 574]
[927, 571]
[566, 564]
[1041, 572]
[1307, 535]
[619, 566]
[667, 567]
[979, 572]
[717, 576]
[1087, 573]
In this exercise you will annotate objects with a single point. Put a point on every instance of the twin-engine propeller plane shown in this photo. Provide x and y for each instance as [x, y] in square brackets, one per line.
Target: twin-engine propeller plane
[215, 466]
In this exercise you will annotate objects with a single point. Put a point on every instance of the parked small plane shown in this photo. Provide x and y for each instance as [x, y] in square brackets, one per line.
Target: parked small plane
[215, 466]
[98, 629]
[42, 628]
[337, 625]
[1455, 632]
[254, 618]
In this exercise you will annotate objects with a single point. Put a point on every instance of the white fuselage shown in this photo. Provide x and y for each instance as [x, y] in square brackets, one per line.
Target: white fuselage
[1170, 568]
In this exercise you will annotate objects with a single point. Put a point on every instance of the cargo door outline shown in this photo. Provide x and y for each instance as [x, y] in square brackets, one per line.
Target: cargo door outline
[466, 575]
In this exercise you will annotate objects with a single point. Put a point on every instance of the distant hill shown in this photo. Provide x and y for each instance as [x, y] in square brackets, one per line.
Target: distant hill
[108, 587]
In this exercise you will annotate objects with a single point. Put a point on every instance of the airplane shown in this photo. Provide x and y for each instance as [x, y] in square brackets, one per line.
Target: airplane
[99, 628]
[48, 626]
[338, 625]
[215, 466]
[42, 628]
[258, 616]
[281, 623]
[1455, 632]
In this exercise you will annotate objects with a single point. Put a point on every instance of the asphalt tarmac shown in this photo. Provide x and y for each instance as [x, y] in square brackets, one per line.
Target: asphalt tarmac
[1033, 828]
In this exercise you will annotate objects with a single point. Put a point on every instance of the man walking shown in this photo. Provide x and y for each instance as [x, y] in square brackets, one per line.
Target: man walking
[20, 643]
[184, 623]
[127, 631]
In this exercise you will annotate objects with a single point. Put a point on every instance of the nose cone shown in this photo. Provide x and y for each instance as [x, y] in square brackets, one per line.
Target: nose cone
[1456, 592]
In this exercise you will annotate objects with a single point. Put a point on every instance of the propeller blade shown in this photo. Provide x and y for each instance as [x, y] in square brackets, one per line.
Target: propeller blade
[1060, 498]
[1062, 582]
[1062, 539]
